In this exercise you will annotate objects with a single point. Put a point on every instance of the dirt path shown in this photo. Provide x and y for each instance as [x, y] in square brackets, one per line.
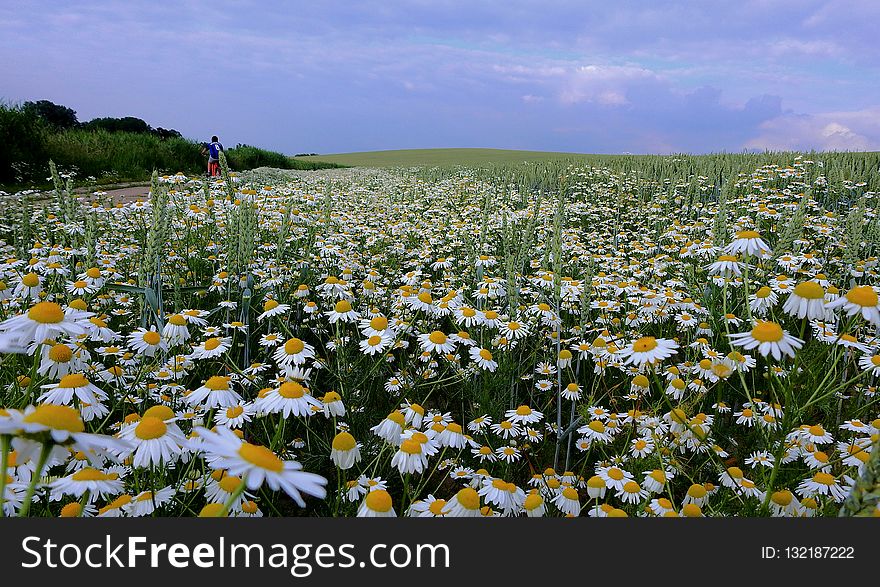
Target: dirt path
[123, 195]
[127, 193]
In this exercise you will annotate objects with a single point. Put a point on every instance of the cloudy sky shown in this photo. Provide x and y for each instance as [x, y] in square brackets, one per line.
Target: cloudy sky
[572, 75]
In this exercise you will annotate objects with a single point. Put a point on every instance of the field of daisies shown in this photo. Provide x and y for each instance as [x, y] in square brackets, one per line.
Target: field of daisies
[648, 337]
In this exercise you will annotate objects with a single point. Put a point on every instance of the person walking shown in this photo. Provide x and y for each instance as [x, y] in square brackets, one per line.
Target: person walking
[214, 148]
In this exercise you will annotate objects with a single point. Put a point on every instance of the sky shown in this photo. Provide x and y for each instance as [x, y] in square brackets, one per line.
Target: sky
[327, 76]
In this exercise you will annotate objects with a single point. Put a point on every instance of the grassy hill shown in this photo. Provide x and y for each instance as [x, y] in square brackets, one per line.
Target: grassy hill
[419, 157]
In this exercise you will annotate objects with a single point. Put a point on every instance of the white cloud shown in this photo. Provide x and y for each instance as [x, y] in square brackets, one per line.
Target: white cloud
[817, 48]
[857, 130]
[603, 84]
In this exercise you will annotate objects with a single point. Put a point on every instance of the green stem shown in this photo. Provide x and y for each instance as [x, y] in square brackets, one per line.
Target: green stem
[4, 463]
[28, 497]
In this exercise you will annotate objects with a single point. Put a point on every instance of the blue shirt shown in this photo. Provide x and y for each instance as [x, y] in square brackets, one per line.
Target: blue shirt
[214, 151]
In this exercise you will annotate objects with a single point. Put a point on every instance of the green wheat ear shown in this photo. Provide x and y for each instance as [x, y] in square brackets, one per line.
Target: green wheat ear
[853, 235]
[794, 228]
[864, 499]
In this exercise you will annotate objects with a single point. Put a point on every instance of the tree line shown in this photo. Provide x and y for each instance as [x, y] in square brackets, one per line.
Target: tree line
[63, 118]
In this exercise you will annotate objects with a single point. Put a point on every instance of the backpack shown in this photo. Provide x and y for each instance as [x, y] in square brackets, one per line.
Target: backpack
[214, 150]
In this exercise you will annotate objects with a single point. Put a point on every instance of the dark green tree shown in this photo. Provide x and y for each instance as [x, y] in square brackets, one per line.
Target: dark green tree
[61, 117]
[125, 124]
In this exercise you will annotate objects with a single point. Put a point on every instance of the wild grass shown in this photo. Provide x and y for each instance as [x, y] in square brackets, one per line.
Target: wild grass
[27, 144]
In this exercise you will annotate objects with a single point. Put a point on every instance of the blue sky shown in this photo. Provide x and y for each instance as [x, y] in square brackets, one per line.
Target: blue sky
[585, 76]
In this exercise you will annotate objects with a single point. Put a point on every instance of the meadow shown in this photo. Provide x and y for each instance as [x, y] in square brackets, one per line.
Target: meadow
[608, 336]
[442, 157]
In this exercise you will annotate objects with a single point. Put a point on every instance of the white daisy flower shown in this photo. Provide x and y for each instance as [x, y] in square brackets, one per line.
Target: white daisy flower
[258, 465]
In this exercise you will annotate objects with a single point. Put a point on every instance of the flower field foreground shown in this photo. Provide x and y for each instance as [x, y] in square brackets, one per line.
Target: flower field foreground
[445, 343]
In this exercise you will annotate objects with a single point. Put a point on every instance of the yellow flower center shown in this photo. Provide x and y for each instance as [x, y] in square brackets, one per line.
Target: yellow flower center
[234, 412]
[397, 417]
[485, 355]
[437, 337]
[782, 498]
[468, 498]
[631, 487]
[863, 295]
[491, 315]
[212, 343]
[56, 417]
[31, 280]
[570, 493]
[151, 337]
[177, 320]
[767, 332]
[658, 475]
[809, 290]
[145, 496]
[71, 510]
[379, 500]
[294, 346]
[150, 427]
[270, 305]
[46, 313]
[229, 483]
[60, 353]
[73, 381]
[411, 447]
[89, 474]
[615, 473]
[342, 307]
[76, 304]
[748, 234]
[261, 457]
[596, 426]
[212, 510]
[645, 344]
[249, 507]
[161, 412]
[217, 383]
[437, 506]
[379, 323]
[697, 491]
[291, 390]
[374, 340]
[344, 441]
[117, 503]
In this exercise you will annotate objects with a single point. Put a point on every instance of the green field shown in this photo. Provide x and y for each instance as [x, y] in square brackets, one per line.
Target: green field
[418, 157]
